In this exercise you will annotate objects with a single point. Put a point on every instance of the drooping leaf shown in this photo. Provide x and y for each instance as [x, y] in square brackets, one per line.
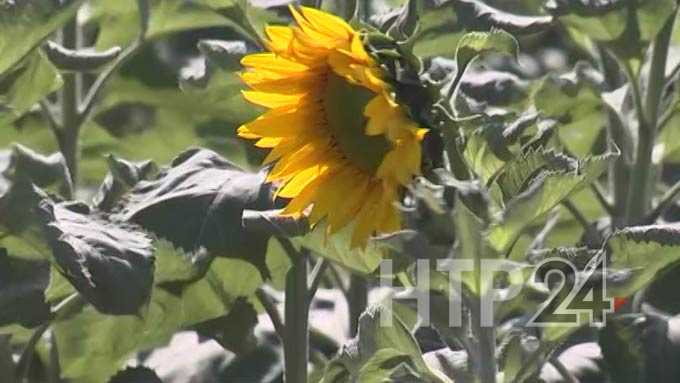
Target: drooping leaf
[198, 202]
[24, 24]
[110, 264]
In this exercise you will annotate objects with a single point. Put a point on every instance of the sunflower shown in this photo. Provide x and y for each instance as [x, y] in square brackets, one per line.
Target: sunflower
[339, 141]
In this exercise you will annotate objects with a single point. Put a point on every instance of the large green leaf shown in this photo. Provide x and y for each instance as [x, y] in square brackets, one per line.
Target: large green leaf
[625, 26]
[640, 253]
[381, 352]
[110, 264]
[574, 100]
[544, 192]
[20, 89]
[93, 346]
[119, 21]
[24, 24]
[198, 202]
[337, 248]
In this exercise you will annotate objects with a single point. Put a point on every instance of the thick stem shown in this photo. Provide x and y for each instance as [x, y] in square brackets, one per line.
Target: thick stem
[296, 341]
[640, 190]
[70, 99]
[487, 354]
[357, 298]
[6, 361]
[484, 362]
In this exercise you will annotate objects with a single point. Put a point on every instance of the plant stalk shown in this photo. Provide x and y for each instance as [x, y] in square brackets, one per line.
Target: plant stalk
[357, 298]
[487, 354]
[296, 340]
[640, 185]
[70, 100]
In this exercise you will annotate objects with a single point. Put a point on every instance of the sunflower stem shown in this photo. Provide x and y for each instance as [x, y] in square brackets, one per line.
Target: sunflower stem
[357, 297]
[296, 340]
[639, 190]
[68, 140]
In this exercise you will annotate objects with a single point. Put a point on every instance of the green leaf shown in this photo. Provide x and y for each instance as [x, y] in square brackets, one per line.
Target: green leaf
[94, 346]
[627, 27]
[641, 253]
[233, 331]
[22, 283]
[119, 21]
[477, 15]
[438, 34]
[20, 226]
[198, 202]
[100, 257]
[337, 248]
[623, 350]
[474, 44]
[518, 174]
[574, 100]
[26, 84]
[388, 365]
[123, 175]
[545, 192]
[24, 25]
[641, 348]
[381, 351]
[49, 172]
[473, 245]
[486, 151]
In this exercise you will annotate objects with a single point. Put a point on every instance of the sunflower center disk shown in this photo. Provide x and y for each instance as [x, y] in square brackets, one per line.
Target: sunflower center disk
[344, 104]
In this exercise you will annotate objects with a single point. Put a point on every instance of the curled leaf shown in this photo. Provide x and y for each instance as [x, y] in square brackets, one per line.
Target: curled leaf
[110, 264]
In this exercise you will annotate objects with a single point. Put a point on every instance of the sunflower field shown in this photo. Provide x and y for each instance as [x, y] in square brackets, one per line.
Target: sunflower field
[339, 191]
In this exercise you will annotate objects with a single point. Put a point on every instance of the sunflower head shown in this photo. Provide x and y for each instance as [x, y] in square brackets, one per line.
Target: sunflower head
[339, 142]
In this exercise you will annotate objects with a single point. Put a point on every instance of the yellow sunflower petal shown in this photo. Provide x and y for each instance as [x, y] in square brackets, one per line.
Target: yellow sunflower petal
[272, 100]
[328, 24]
[279, 38]
[366, 219]
[273, 62]
[323, 166]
